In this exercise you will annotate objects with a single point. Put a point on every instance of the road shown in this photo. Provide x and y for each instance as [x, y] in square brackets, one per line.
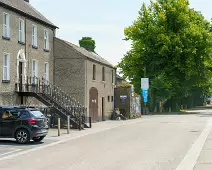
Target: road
[150, 143]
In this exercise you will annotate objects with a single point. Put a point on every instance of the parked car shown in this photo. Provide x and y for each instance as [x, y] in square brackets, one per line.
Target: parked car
[23, 124]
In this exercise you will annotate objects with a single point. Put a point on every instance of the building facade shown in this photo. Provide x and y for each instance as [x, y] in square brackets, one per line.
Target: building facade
[26, 48]
[86, 76]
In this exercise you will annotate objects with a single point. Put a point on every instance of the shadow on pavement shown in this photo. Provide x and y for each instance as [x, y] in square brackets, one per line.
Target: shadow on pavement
[5, 142]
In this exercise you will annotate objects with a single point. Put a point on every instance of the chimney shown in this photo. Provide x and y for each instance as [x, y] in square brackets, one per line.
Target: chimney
[26, 1]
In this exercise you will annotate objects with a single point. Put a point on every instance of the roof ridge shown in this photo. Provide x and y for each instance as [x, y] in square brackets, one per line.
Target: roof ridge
[87, 53]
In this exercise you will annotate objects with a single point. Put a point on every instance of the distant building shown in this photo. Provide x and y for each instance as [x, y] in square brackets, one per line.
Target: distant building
[119, 80]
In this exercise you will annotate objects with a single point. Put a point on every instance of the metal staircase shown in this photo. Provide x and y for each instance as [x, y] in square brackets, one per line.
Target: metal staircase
[54, 97]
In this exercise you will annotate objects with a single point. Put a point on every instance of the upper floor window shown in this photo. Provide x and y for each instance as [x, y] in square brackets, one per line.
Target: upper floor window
[103, 73]
[34, 36]
[94, 72]
[6, 66]
[35, 71]
[6, 29]
[46, 40]
[21, 31]
[112, 76]
[46, 72]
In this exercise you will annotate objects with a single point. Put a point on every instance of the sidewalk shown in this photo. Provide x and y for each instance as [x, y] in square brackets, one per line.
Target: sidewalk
[96, 127]
[204, 161]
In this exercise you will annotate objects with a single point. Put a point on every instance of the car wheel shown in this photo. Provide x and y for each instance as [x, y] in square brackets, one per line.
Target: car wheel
[38, 139]
[22, 136]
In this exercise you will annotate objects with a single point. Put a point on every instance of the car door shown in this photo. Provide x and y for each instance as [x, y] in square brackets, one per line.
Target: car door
[9, 123]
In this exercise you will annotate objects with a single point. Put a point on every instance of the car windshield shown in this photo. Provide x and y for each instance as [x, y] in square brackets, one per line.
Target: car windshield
[36, 113]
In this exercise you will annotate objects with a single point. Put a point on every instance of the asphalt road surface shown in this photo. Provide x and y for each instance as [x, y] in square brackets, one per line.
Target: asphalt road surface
[150, 143]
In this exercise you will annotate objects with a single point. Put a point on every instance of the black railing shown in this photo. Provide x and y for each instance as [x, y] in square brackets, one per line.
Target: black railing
[58, 98]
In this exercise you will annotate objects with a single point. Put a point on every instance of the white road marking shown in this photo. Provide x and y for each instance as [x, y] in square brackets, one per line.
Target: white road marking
[63, 141]
[190, 159]
[7, 153]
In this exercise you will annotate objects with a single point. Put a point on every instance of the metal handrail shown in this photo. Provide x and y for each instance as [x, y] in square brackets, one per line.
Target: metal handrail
[68, 104]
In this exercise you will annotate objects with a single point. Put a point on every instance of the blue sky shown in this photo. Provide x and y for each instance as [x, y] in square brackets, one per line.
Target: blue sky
[103, 20]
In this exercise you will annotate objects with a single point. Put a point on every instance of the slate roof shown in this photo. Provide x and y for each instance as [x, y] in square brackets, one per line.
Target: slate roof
[119, 77]
[88, 54]
[24, 8]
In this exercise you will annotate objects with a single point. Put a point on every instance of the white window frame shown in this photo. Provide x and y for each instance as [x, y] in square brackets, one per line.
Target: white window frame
[35, 71]
[46, 39]
[46, 71]
[6, 66]
[6, 25]
[21, 30]
[34, 36]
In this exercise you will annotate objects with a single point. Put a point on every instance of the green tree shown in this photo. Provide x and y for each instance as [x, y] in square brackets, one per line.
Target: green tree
[88, 43]
[173, 41]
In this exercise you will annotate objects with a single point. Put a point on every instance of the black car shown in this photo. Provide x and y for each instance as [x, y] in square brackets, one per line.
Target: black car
[23, 124]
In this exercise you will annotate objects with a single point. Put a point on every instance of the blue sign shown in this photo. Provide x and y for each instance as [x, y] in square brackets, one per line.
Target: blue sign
[145, 95]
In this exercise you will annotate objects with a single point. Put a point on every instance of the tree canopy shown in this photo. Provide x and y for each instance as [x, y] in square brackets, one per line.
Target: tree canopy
[173, 43]
[88, 43]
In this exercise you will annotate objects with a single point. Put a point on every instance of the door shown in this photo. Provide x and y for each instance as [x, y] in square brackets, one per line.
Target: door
[93, 104]
[9, 121]
[20, 76]
[103, 109]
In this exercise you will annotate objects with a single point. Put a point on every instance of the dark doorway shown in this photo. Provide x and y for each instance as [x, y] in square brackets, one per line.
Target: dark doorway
[21, 79]
[93, 104]
[20, 76]
[103, 109]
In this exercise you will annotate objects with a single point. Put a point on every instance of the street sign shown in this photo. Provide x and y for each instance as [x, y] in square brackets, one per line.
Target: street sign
[145, 95]
[145, 83]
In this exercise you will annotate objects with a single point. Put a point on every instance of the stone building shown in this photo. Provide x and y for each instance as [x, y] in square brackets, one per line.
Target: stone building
[86, 76]
[26, 48]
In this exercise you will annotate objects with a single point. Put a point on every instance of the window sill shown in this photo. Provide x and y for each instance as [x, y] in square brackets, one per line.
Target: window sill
[22, 43]
[35, 47]
[5, 81]
[6, 38]
[46, 50]
[104, 82]
[94, 80]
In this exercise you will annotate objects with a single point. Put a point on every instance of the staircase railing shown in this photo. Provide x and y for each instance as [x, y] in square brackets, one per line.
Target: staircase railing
[58, 98]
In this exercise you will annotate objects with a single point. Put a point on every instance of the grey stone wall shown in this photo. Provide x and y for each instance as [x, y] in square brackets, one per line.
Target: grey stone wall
[69, 73]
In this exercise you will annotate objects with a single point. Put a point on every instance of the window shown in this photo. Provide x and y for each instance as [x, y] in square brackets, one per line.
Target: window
[111, 98]
[46, 71]
[94, 72]
[6, 29]
[13, 114]
[46, 40]
[6, 67]
[34, 36]
[35, 71]
[36, 114]
[112, 76]
[103, 73]
[108, 98]
[24, 115]
[21, 31]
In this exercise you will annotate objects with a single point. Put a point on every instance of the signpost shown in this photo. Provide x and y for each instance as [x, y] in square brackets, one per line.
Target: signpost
[145, 88]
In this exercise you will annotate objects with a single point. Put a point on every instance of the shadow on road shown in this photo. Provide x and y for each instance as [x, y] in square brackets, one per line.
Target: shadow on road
[5, 142]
